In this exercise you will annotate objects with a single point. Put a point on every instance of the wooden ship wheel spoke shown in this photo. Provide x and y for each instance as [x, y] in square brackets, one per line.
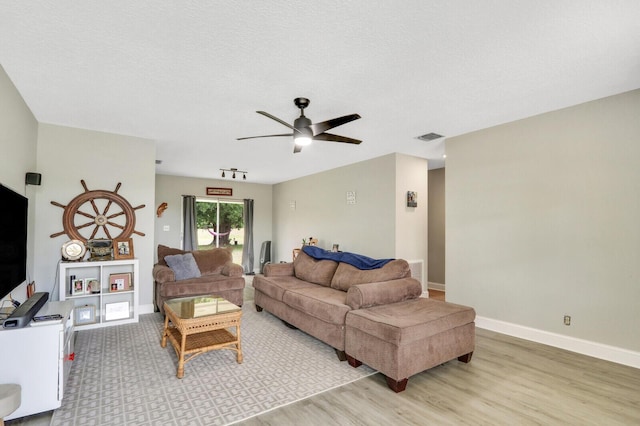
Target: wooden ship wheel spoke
[93, 200]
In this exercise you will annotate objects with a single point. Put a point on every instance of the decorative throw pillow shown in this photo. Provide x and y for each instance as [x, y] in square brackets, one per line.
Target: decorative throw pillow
[183, 266]
[314, 271]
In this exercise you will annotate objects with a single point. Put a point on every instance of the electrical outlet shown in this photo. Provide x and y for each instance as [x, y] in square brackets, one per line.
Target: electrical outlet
[567, 320]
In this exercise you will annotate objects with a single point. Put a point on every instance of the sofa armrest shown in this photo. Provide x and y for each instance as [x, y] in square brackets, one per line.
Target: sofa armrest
[384, 292]
[231, 269]
[278, 269]
[163, 274]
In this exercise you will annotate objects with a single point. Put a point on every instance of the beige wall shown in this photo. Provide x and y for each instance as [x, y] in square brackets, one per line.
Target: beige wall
[170, 189]
[437, 229]
[18, 141]
[542, 221]
[66, 156]
[411, 233]
[316, 206]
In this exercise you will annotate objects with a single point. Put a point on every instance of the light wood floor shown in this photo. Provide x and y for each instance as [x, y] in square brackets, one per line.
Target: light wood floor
[436, 294]
[509, 381]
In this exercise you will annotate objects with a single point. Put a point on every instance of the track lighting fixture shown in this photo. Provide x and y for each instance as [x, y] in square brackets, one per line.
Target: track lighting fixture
[233, 171]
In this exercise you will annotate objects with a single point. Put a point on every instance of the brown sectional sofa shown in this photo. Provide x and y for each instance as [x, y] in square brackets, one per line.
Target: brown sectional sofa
[316, 295]
[373, 316]
[218, 275]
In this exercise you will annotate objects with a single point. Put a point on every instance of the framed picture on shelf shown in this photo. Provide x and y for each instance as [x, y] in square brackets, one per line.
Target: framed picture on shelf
[78, 287]
[116, 311]
[120, 282]
[85, 314]
[91, 285]
[123, 248]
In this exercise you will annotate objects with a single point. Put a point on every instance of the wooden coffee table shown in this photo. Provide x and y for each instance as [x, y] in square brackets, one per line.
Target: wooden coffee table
[199, 324]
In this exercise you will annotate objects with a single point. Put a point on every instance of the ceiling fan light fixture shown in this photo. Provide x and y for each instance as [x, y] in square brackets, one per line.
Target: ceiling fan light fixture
[303, 136]
[302, 140]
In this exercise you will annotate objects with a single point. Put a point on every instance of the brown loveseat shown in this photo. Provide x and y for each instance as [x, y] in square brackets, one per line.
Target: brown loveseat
[316, 295]
[215, 273]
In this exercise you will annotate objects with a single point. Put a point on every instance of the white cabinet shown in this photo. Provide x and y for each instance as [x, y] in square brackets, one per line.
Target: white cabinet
[38, 357]
[104, 293]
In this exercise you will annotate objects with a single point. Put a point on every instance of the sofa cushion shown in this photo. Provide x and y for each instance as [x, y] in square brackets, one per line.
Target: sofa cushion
[208, 261]
[275, 288]
[404, 322]
[346, 275]
[324, 303]
[205, 284]
[183, 266]
[164, 251]
[212, 261]
[314, 271]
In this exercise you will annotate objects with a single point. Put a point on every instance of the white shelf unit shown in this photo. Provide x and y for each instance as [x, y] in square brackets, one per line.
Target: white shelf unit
[111, 307]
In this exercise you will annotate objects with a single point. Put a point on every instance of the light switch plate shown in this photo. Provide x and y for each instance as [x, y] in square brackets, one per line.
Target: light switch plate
[351, 197]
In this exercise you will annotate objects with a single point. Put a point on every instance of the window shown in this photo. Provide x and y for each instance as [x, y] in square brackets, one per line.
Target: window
[220, 224]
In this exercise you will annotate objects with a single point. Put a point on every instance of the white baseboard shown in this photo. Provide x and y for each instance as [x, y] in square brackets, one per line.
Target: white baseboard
[145, 309]
[585, 347]
[435, 286]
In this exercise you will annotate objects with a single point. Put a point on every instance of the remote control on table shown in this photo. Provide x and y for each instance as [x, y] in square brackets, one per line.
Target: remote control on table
[48, 317]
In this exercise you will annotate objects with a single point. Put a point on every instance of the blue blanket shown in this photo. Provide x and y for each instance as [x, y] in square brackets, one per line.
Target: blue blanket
[357, 260]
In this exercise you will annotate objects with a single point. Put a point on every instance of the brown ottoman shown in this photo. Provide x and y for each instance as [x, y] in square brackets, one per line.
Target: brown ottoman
[402, 339]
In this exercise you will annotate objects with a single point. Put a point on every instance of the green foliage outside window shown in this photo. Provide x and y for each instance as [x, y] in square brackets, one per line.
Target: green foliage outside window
[230, 218]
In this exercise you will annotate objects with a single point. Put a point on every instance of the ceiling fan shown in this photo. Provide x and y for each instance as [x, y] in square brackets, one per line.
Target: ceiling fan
[304, 131]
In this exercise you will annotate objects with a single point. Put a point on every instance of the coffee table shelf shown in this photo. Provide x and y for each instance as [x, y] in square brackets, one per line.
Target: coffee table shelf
[193, 331]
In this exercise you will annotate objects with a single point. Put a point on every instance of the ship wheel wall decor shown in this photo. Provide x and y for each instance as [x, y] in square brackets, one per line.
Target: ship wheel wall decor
[98, 214]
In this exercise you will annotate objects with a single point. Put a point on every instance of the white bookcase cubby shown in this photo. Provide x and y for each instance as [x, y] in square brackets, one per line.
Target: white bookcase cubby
[104, 293]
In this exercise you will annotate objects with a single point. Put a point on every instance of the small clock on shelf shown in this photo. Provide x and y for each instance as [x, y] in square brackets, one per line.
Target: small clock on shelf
[73, 250]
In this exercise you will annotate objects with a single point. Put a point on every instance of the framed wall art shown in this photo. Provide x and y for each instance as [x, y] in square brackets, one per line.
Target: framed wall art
[220, 191]
[123, 248]
[412, 199]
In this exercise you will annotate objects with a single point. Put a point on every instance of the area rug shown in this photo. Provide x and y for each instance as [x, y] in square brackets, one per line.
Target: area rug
[121, 375]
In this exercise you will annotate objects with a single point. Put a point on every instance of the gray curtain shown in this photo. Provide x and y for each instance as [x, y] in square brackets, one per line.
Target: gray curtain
[247, 250]
[190, 240]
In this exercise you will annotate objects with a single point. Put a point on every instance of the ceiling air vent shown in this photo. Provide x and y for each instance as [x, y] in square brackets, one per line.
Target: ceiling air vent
[429, 137]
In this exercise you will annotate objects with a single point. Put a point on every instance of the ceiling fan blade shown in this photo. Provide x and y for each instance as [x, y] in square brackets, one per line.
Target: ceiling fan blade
[273, 117]
[296, 148]
[329, 137]
[322, 127]
[265, 136]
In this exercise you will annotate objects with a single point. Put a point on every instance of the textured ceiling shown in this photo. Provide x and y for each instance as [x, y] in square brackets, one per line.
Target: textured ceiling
[191, 74]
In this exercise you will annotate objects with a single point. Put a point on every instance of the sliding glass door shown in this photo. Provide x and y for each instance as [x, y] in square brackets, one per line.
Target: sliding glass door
[220, 224]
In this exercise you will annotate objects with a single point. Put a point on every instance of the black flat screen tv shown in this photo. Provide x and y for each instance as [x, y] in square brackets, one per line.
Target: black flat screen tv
[13, 240]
